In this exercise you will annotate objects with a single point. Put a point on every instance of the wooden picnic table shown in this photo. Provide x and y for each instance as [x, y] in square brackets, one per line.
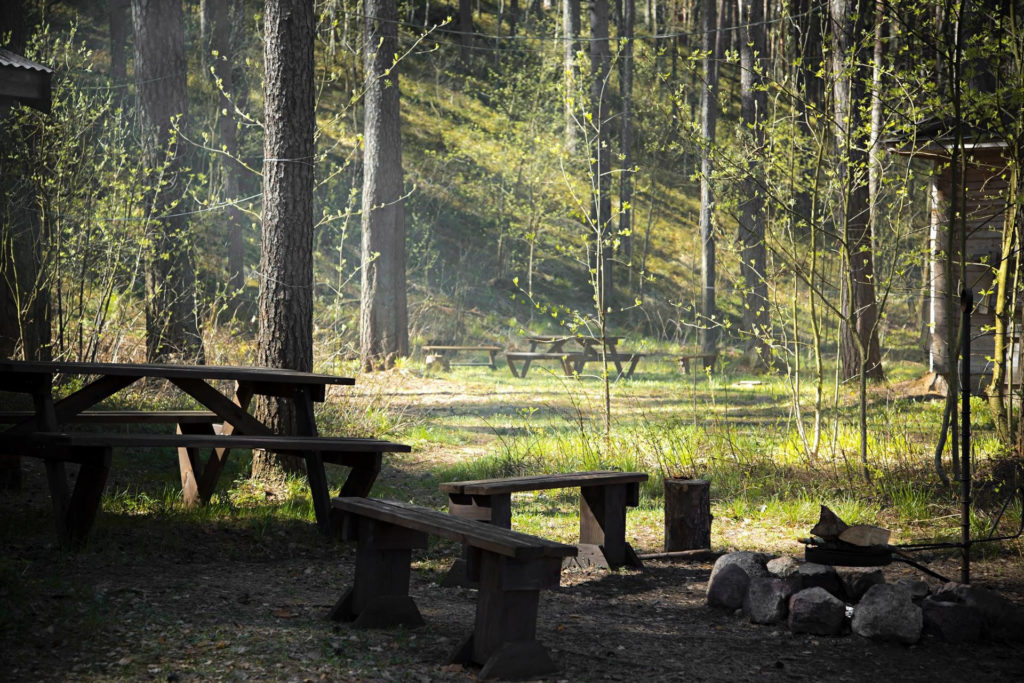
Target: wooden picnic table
[552, 347]
[43, 428]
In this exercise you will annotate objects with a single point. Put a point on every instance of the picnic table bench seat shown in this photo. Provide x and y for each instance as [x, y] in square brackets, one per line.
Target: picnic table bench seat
[685, 360]
[604, 497]
[75, 510]
[446, 351]
[512, 568]
[123, 417]
[572, 362]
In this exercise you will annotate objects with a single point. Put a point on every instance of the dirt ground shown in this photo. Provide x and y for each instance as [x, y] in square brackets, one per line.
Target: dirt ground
[160, 598]
[156, 599]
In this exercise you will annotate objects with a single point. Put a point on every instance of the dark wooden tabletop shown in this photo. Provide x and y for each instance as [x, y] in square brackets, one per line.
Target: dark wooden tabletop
[206, 372]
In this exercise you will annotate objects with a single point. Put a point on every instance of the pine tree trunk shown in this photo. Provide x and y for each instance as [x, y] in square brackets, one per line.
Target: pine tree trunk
[626, 87]
[859, 334]
[756, 316]
[600, 154]
[571, 29]
[172, 325]
[708, 118]
[384, 327]
[285, 336]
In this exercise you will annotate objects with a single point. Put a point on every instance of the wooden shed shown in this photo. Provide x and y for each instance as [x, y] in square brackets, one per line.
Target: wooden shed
[984, 198]
[24, 81]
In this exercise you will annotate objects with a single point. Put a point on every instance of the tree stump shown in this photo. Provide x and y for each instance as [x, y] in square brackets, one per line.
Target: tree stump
[687, 514]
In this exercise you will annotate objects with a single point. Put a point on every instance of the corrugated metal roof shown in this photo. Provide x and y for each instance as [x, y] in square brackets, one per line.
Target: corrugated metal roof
[8, 58]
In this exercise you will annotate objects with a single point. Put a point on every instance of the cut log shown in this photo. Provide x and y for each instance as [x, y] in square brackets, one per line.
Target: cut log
[865, 535]
[829, 525]
[687, 514]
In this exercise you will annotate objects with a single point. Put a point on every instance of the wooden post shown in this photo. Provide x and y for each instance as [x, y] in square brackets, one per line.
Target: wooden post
[687, 514]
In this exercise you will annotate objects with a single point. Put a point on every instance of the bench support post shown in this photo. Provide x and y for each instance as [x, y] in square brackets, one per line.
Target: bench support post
[75, 510]
[379, 596]
[493, 509]
[504, 639]
[603, 524]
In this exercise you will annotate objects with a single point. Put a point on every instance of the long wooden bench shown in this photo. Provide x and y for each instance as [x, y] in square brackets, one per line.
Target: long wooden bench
[708, 361]
[178, 417]
[527, 357]
[604, 496]
[449, 351]
[511, 568]
[75, 510]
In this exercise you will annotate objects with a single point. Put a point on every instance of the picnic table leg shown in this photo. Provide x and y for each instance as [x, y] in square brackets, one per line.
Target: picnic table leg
[495, 509]
[379, 596]
[504, 639]
[512, 367]
[86, 496]
[492, 355]
[316, 475]
[195, 487]
[603, 525]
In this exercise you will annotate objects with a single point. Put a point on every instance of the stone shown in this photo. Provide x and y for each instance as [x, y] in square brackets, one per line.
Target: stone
[814, 575]
[1001, 619]
[783, 567]
[857, 580]
[816, 611]
[919, 590]
[752, 563]
[767, 600]
[953, 622]
[887, 612]
[728, 587]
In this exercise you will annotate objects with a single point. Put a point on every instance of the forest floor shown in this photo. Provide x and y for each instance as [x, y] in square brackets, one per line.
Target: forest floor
[169, 596]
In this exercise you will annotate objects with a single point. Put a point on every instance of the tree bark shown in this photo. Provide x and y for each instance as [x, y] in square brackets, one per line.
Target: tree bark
[859, 336]
[172, 326]
[465, 30]
[571, 29]
[687, 514]
[217, 20]
[285, 335]
[383, 317]
[120, 21]
[626, 88]
[600, 154]
[753, 103]
[708, 119]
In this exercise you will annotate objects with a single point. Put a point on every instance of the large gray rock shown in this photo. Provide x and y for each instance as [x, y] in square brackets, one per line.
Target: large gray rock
[752, 563]
[813, 575]
[767, 600]
[1001, 618]
[783, 567]
[919, 590]
[887, 612]
[857, 580]
[954, 622]
[727, 588]
[816, 611]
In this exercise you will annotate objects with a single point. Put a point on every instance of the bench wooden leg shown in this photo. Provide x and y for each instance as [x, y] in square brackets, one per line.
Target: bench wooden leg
[196, 485]
[603, 525]
[504, 639]
[496, 509]
[379, 596]
[75, 510]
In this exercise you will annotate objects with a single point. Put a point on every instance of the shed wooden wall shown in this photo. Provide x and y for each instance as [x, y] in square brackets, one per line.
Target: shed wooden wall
[986, 186]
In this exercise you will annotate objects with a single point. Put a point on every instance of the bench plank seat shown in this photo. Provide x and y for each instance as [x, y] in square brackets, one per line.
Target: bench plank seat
[122, 417]
[450, 350]
[75, 510]
[511, 568]
[604, 497]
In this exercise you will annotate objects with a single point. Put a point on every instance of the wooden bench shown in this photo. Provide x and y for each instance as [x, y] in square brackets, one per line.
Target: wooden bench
[178, 417]
[75, 510]
[708, 361]
[511, 568]
[527, 357]
[447, 352]
[604, 496]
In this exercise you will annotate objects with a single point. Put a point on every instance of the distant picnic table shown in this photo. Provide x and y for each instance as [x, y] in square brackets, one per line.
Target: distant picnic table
[590, 348]
[225, 423]
[449, 351]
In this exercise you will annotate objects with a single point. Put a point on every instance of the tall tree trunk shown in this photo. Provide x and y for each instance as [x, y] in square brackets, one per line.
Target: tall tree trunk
[708, 118]
[571, 29]
[600, 154]
[756, 317]
[120, 21]
[172, 325]
[383, 318]
[217, 19]
[626, 87]
[285, 335]
[465, 30]
[859, 337]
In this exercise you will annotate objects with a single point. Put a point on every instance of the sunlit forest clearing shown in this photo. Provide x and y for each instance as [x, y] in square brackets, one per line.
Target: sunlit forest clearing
[796, 225]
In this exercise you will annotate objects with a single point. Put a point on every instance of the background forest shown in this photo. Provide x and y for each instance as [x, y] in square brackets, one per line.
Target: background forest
[733, 176]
